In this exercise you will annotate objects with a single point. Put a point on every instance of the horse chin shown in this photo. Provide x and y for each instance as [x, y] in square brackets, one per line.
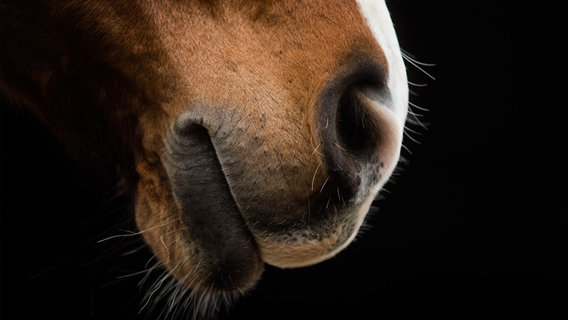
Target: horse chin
[195, 255]
[315, 244]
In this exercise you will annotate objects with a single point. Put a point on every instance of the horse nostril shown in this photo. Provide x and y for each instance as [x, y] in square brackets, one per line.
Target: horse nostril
[355, 131]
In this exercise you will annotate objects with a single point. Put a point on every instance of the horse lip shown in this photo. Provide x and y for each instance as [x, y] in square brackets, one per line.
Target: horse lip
[213, 220]
[204, 195]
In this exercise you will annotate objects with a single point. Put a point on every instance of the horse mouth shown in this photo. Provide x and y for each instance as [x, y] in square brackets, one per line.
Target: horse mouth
[220, 241]
[227, 235]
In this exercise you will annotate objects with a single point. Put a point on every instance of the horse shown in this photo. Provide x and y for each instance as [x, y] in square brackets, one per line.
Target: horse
[245, 132]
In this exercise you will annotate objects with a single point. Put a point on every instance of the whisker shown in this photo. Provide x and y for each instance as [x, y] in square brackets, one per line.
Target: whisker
[417, 64]
[165, 248]
[314, 177]
[316, 148]
[131, 234]
[155, 287]
[414, 105]
[417, 84]
[137, 272]
[132, 251]
[410, 56]
[323, 186]
[407, 149]
[135, 233]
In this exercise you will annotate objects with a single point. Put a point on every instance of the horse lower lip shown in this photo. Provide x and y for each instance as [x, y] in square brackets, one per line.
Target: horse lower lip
[213, 220]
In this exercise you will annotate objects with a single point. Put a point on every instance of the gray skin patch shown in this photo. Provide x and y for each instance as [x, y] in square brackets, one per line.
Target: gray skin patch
[221, 239]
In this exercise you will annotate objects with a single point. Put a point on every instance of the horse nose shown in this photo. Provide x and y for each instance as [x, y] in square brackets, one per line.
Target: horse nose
[358, 130]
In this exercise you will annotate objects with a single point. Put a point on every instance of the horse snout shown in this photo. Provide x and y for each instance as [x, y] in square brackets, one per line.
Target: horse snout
[358, 137]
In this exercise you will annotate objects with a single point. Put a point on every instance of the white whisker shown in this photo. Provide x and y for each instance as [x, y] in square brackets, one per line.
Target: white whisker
[132, 234]
[417, 84]
[314, 177]
[324, 183]
[417, 64]
[414, 105]
[136, 233]
[316, 149]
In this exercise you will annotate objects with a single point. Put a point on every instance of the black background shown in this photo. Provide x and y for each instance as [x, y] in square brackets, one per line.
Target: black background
[474, 223]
